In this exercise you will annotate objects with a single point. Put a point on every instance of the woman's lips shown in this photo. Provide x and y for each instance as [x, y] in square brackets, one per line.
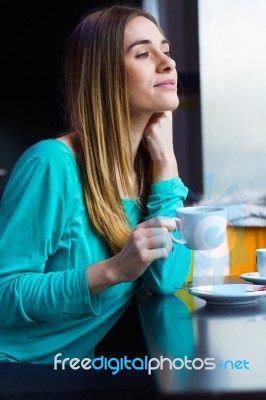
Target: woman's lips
[167, 84]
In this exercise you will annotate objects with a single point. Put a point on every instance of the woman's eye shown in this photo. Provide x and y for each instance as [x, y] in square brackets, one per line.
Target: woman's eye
[143, 55]
[167, 53]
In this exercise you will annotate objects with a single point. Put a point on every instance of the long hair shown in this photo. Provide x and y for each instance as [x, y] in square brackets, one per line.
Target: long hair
[98, 110]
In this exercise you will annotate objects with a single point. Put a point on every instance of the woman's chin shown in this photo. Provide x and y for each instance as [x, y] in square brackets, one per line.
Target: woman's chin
[171, 107]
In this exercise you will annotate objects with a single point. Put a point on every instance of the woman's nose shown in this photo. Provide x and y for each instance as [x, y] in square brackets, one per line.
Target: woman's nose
[166, 63]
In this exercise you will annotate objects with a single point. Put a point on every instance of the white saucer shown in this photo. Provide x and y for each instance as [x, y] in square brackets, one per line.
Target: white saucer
[229, 294]
[254, 277]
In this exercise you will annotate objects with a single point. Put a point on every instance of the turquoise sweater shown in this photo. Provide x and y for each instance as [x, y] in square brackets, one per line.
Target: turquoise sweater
[46, 243]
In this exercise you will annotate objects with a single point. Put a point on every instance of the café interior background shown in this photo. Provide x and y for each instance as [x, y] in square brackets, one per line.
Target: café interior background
[219, 48]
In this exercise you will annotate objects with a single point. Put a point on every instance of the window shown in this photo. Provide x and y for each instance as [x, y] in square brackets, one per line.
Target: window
[232, 44]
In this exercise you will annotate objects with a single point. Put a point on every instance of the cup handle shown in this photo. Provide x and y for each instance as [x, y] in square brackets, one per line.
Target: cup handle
[181, 240]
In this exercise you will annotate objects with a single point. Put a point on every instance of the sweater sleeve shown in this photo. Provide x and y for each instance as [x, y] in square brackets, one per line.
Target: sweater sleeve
[165, 276]
[33, 215]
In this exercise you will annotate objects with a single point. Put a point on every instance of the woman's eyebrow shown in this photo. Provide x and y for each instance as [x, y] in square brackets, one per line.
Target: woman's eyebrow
[145, 41]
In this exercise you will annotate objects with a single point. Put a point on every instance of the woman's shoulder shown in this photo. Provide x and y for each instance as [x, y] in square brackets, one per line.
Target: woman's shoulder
[48, 150]
[49, 154]
[48, 163]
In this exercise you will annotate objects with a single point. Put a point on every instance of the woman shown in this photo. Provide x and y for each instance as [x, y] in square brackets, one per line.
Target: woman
[86, 218]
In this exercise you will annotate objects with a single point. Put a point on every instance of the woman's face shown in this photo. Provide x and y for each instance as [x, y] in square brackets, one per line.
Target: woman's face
[151, 70]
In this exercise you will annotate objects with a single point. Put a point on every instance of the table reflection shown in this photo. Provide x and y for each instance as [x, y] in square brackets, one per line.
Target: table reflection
[223, 346]
[169, 334]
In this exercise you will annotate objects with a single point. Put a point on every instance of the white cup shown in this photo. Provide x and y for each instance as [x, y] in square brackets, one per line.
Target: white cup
[261, 261]
[201, 227]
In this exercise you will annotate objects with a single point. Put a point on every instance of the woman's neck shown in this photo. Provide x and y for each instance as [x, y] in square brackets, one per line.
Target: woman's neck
[138, 127]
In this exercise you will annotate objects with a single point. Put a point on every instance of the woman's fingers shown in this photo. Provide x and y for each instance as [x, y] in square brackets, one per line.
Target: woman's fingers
[158, 222]
[156, 254]
[162, 241]
[151, 232]
[153, 238]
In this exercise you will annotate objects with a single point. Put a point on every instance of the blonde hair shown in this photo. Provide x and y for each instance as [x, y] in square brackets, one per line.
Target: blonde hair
[98, 108]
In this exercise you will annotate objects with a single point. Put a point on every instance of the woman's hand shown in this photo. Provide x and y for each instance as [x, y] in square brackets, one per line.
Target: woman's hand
[158, 137]
[149, 241]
